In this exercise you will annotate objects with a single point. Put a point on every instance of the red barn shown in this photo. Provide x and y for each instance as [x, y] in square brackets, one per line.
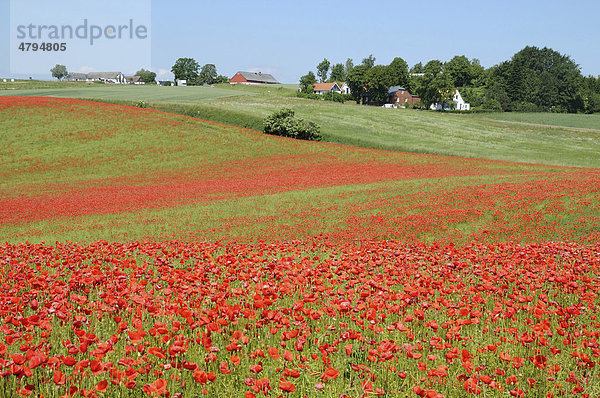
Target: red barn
[253, 78]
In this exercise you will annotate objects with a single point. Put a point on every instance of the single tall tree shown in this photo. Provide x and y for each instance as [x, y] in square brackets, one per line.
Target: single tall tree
[357, 81]
[59, 71]
[379, 79]
[322, 70]
[337, 73]
[398, 70]
[348, 67]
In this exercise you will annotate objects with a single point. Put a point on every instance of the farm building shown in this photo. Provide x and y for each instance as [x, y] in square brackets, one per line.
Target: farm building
[324, 88]
[336, 87]
[344, 87]
[459, 104]
[400, 96]
[76, 77]
[253, 78]
[134, 80]
[106, 77]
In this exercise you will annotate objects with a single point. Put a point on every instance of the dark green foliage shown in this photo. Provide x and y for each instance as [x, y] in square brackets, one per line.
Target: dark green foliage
[146, 75]
[207, 75]
[590, 95]
[417, 68]
[462, 71]
[369, 62]
[379, 79]
[221, 79]
[540, 79]
[322, 70]
[337, 73]
[436, 85]
[186, 69]
[283, 123]
[357, 80]
[398, 70]
[333, 96]
[306, 83]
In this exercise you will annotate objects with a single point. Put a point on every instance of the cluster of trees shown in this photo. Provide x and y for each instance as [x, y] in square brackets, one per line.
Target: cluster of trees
[146, 76]
[190, 70]
[536, 80]
[367, 81]
[533, 79]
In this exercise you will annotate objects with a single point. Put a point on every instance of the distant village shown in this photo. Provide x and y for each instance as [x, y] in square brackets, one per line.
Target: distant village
[397, 96]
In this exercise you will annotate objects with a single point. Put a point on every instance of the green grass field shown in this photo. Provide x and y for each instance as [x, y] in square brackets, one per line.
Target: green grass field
[581, 121]
[132, 93]
[44, 84]
[557, 139]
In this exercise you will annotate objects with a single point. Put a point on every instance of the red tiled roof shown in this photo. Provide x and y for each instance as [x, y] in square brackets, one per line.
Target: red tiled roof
[323, 86]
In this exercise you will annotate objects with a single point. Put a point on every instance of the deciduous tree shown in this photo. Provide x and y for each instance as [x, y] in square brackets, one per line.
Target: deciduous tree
[337, 73]
[322, 70]
[307, 81]
[186, 69]
[369, 62]
[208, 74]
[146, 75]
[398, 70]
[59, 72]
[357, 81]
[436, 85]
[378, 81]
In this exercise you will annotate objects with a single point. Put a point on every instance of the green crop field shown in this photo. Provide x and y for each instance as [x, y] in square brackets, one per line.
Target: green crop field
[550, 119]
[557, 139]
[131, 93]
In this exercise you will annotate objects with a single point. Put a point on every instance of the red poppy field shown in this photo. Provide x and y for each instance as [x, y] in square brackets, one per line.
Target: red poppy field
[263, 267]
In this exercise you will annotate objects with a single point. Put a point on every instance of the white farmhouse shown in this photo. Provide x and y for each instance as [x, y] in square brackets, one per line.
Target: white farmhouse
[459, 104]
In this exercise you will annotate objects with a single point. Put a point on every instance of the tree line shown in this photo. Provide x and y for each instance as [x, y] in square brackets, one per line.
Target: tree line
[533, 80]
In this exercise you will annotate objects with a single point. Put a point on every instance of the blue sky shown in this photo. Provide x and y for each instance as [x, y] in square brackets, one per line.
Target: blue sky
[288, 38]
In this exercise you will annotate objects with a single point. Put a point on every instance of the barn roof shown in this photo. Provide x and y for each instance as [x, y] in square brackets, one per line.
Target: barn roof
[259, 77]
[103, 75]
[393, 89]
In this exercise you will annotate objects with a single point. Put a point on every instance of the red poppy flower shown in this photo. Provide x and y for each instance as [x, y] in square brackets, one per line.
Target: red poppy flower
[286, 386]
[330, 374]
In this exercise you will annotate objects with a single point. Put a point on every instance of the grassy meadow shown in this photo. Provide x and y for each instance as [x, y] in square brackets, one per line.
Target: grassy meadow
[553, 139]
